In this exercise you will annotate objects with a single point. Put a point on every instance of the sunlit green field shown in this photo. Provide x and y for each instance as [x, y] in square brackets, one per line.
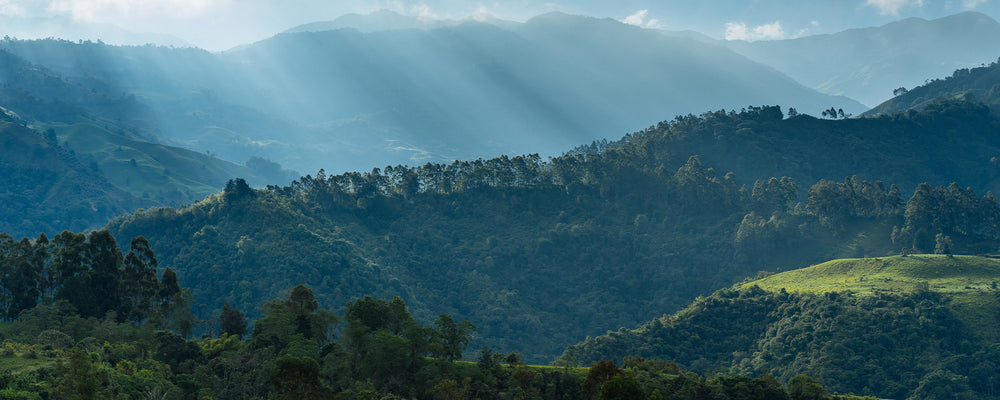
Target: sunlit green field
[900, 274]
[970, 282]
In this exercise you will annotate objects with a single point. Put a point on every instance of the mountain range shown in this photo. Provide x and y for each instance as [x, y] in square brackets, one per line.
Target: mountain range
[550, 248]
[345, 99]
[869, 64]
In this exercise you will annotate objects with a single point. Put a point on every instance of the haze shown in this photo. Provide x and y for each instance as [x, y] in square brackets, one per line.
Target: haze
[219, 25]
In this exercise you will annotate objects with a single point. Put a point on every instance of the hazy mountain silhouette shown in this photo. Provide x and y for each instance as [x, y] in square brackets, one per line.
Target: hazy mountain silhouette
[344, 99]
[868, 64]
[477, 90]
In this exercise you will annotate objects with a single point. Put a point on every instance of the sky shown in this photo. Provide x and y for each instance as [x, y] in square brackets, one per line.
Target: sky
[218, 25]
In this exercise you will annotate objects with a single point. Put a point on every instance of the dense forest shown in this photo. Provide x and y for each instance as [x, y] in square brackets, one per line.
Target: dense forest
[618, 232]
[85, 322]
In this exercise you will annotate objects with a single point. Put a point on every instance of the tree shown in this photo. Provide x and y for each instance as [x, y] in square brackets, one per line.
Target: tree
[899, 91]
[599, 373]
[623, 386]
[232, 322]
[174, 305]
[67, 275]
[138, 283]
[802, 387]
[381, 336]
[104, 277]
[237, 189]
[451, 338]
[19, 276]
[942, 244]
[78, 379]
[295, 319]
[922, 216]
[297, 378]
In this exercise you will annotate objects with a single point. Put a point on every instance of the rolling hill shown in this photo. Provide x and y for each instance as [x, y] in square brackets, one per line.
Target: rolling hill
[109, 135]
[897, 327]
[47, 188]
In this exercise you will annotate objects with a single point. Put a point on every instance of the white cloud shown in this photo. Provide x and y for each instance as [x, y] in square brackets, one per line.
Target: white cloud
[636, 19]
[110, 10]
[740, 31]
[423, 11]
[970, 4]
[639, 19]
[892, 7]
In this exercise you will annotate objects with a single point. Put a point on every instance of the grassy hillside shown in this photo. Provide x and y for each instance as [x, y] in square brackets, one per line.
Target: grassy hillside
[45, 187]
[168, 174]
[897, 274]
[969, 281]
[896, 327]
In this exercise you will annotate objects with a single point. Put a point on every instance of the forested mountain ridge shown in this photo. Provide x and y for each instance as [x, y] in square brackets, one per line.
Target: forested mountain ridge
[904, 150]
[920, 326]
[980, 84]
[620, 232]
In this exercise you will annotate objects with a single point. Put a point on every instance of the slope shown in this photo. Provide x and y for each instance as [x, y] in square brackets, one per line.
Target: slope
[112, 136]
[46, 188]
[976, 84]
[896, 327]
[542, 253]
[868, 64]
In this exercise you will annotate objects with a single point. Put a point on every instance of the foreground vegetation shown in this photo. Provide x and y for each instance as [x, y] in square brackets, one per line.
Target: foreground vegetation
[51, 352]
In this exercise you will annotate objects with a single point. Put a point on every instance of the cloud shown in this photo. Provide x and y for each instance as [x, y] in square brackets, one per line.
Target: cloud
[740, 31]
[636, 19]
[639, 19]
[110, 10]
[423, 11]
[970, 4]
[892, 7]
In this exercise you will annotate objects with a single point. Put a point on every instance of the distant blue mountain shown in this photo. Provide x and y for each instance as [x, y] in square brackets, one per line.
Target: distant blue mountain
[387, 89]
[868, 64]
